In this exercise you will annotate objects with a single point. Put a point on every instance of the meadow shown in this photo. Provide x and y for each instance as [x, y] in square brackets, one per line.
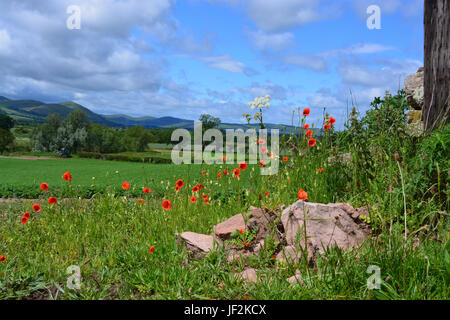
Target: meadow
[123, 239]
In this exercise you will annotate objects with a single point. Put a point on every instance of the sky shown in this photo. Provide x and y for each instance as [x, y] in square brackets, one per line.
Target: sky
[188, 57]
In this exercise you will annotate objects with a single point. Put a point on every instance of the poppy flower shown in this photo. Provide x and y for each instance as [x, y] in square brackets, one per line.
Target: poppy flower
[311, 142]
[141, 201]
[2, 258]
[200, 186]
[166, 204]
[204, 196]
[193, 199]
[243, 165]
[147, 190]
[52, 200]
[206, 200]
[23, 220]
[36, 207]
[27, 215]
[261, 141]
[306, 112]
[203, 172]
[219, 175]
[306, 126]
[309, 133]
[262, 163]
[241, 231]
[125, 185]
[320, 170]
[177, 188]
[332, 120]
[236, 172]
[266, 193]
[263, 150]
[180, 183]
[67, 176]
[326, 126]
[225, 172]
[195, 188]
[302, 195]
[224, 158]
[152, 248]
[285, 159]
[44, 186]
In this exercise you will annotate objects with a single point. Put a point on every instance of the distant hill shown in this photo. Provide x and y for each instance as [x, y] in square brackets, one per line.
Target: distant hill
[34, 111]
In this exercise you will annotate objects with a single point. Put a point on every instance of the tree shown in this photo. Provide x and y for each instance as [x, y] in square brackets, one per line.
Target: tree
[6, 122]
[6, 140]
[209, 122]
[437, 63]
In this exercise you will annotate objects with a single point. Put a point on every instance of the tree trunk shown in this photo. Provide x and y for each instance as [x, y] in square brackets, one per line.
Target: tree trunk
[437, 63]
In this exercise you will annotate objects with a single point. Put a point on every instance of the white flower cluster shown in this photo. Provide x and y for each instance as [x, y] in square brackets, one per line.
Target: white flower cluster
[261, 102]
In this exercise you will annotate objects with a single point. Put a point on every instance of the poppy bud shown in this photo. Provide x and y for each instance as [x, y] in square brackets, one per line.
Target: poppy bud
[396, 156]
[259, 197]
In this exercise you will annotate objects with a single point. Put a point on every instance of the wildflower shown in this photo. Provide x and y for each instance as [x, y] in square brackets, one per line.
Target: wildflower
[326, 126]
[285, 159]
[236, 172]
[332, 120]
[302, 195]
[311, 142]
[125, 185]
[266, 193]
[147, 190]
[44, 186]
[261, 141]
[27, 215]
[203, 172]
[2, 258]
[180, 183]
[219, 175]
[204, 196]
[243, 165]
[201, 186]
[206, 200]
[263, 150]
[225, 172]
[23, 220]
[52, 200]
[193, 199]
[241, 231]
[195, 188]
[67, 176]
[152, 248]
[36, 207]
[309, 133]
[320, 170]
[177, 188]
[141, 201]
[224, 158]
[306, 112]
[166, 204]
[262, 163]
[306, 126]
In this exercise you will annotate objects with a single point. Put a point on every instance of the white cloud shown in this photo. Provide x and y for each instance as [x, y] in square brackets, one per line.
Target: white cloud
[5, 41]
[270, 41]
[313, 62]
[224, 62]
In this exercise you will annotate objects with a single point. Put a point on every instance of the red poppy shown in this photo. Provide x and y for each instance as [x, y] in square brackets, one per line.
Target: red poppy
[219, 175]
[285, 159]
[52, 200]
[263, 150]
[225, 172]
[311, 142]
[203, 172]
[152, 248]
[206, 200]
[261, 141]
[262, 163]
[309, 133]
[306, 126]
[2, 258]
[125, 185]
[36, 207]
[236, 172]
[326, 126]
[306, 112]
[302, 195]
[141, 201]
[204, 196]
[224, 158]
[180, 183]
[320, 170]
[67, 176]
[147, 190]
[332, 120]
[27, 215]
[23, 220]
[195, 188]
[177, 188]
[166, 204]
[266, 193]
[241, 231]
[44, 186]
[193, 199]
[243, 165]
[200, 186]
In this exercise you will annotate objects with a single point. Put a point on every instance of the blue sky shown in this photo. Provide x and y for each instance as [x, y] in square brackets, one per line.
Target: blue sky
[185, 58]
